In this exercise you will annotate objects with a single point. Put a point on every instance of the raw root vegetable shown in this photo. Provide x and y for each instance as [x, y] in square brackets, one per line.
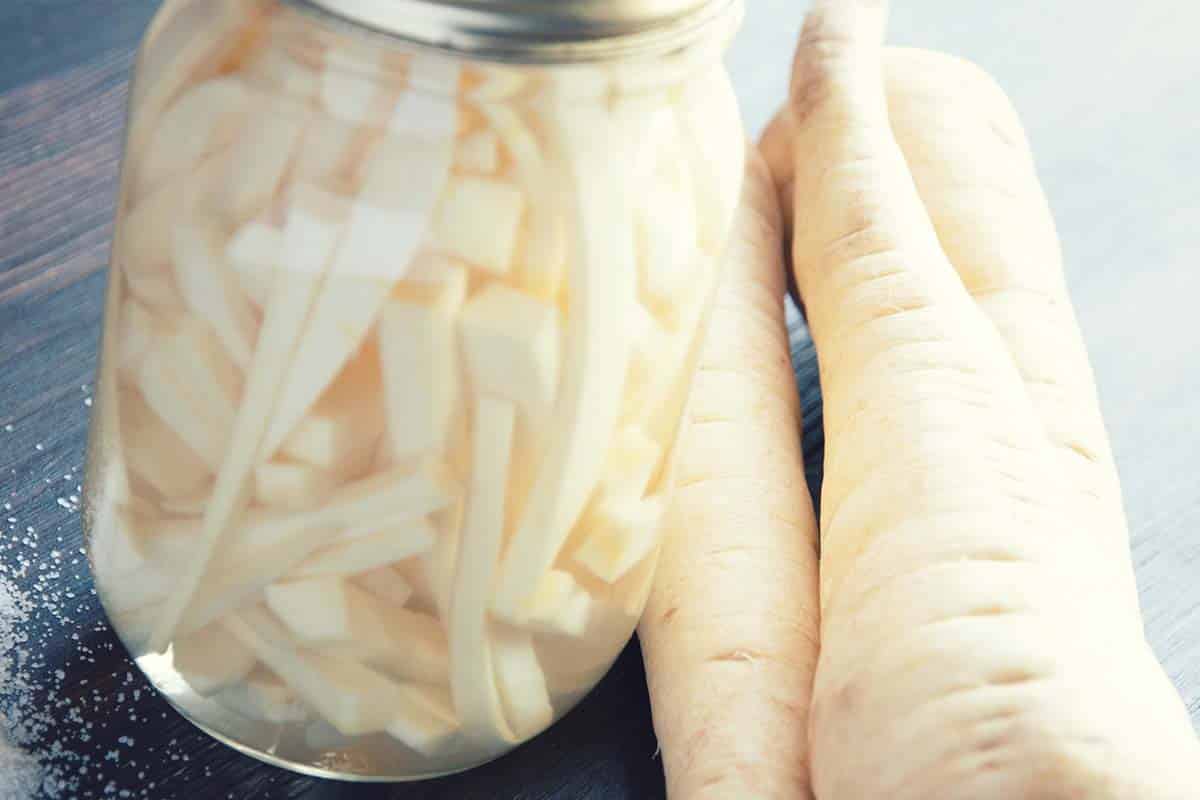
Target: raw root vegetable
[212, 659]
[980, 631]
[729, 672]
[511, 345]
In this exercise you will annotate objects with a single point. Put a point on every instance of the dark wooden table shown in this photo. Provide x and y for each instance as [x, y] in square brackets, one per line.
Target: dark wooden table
[1118, 176]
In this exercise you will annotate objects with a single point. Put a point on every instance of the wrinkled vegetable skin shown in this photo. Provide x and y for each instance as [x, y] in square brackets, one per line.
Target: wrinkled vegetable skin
[980, 631]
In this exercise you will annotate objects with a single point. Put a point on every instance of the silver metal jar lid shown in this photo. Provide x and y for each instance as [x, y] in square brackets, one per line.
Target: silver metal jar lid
[534, 31]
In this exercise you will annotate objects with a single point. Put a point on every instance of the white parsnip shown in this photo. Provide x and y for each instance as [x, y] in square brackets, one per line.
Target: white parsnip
[978, 608]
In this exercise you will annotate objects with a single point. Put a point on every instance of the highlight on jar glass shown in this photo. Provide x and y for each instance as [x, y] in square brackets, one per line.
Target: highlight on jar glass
[396, 349]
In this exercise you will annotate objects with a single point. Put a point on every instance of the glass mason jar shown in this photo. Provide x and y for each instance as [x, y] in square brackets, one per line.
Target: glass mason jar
[405, 302]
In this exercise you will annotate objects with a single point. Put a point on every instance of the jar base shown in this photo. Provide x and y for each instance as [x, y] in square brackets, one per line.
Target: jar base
[269, 742]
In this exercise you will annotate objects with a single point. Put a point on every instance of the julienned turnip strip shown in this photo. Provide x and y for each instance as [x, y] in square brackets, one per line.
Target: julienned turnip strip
[353, 698]
[268, 547]
[346, 307]
[472, 682]
[602, 287]
[542, 263]
[312, 232]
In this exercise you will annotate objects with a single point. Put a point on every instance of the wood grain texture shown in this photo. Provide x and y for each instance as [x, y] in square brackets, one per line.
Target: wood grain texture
[1123, 187]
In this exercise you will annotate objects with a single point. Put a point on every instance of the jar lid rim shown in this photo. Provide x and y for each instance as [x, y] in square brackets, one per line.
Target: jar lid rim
[533, 31]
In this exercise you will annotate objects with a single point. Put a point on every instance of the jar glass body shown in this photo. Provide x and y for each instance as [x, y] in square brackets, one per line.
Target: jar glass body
[396, 350]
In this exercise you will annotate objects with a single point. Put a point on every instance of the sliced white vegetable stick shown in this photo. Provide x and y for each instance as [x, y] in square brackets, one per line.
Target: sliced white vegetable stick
[400, 494]
[559, 606]
[212, 290]
[201, 121]
[633, 461]
[377, 247]
[472, 676]
[317, 610]
[311, 233]
[368, 552]
[410, 646]
[419, 353]
[425, 720]
[478, 152]
[190, 384]
[263, 696]
[277, 69]
[156, 454]
[290, 485]
[261, 157]
[478, 220]
[511, 344]
[254, 252]
[619, 530]
[239, 578]
[521, 682]
[544, 252]
[351, 697]
[343, 429]
[212, 659]
[406, 173]
[602, 288]
[437, 567]
[387, 584]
